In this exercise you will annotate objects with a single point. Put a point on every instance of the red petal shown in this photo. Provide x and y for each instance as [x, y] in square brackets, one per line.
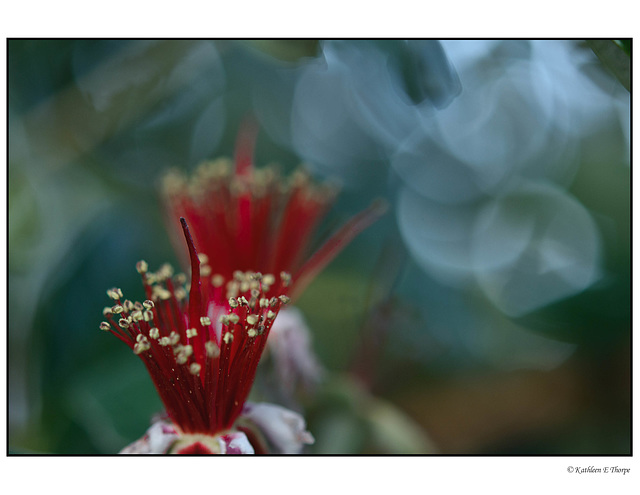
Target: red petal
[336, 243]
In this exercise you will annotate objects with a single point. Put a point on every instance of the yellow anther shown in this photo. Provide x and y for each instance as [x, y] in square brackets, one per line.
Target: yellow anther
[174, 338]
[284, 299]
[128, 306]
[233, 302]
[117, 309]
[255, 293]
[217, 280]
[273, 301]
[243, 301]
[268, 279]
[271, 315]
[232, 288]
[286, 278]
[213, 351]
[204, 259]
[234, 318]
[114, 293]
[142, 345]
[148, 304]
[164, 341]
[124, 322]
[194, 369]
[191, 332]
[224, 319]
[166, 270]
[142, 266]
[252, 332]
[180, 278]
[105, 326]
[148, 315]
[138, 306]
[173, 183]
[238, 275]
[228, 338]
[299, 178]
[164, 294]
[107, 311]
[237, 186]
[137, 315]
[264, 302]
[244, 286]
[205, 321]
[180, 293]
[252, 319]
[205, 270]
[154, 333]
[183, 353]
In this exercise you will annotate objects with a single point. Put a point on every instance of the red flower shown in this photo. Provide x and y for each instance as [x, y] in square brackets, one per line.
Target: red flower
[251, 219]
[201, 345]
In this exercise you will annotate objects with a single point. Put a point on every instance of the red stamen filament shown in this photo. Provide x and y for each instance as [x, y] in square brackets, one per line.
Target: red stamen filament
[202, 379]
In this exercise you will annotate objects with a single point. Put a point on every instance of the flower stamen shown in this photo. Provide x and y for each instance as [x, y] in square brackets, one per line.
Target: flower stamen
[202, 372]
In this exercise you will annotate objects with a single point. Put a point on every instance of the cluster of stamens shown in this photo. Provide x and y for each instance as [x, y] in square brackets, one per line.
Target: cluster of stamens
[201, 343]
[217, 176]
[249, 218]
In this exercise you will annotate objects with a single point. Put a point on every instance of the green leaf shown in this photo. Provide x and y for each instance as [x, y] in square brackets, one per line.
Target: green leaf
[625, 45]
[615, 55]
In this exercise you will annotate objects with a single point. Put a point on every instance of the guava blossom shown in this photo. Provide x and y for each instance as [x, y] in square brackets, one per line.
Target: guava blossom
[252, 219]
[201, 345]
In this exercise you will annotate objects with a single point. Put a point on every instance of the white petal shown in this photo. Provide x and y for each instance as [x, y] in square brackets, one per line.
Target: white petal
[235, 443]
[156, 440]
[290, 343]
[285, 429]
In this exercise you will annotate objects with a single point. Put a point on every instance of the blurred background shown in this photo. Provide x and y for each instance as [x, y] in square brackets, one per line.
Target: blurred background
[489, 311]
